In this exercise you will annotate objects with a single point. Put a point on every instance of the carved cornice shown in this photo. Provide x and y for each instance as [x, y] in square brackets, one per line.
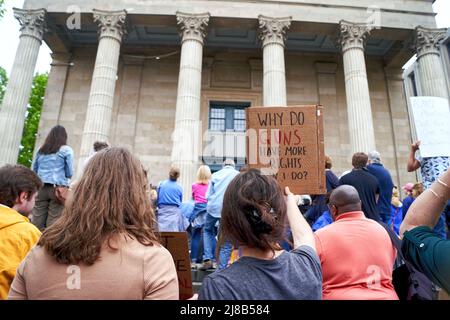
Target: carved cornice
[428, 41]
[32, 22]
[192, 26]
[273, 30]
[110, 23]
[353, 35]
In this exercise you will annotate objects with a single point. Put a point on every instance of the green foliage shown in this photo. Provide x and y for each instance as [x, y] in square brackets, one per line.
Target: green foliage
[3, 83]
[32, 121]
[2, 8]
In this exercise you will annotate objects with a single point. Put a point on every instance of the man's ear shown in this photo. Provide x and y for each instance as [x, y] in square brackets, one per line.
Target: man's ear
[333, 211]
[23, 196]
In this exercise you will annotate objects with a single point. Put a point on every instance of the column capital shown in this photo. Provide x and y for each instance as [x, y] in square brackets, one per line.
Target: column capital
[428, 40]
[32, 22]
[192, 26]
[353, 35]
[273, 30]
[110, 23]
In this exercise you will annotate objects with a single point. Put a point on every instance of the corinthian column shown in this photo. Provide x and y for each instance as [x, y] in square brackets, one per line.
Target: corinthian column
[186, 136]
[431, 70]
[15, 101]
[101, 97]
[352, 39]
[273, 36]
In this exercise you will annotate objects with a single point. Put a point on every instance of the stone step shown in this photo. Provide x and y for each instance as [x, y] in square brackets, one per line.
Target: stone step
[197, 278]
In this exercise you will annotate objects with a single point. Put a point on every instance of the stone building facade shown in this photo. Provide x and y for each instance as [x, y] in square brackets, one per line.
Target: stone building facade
[159, 76]
[413, 85]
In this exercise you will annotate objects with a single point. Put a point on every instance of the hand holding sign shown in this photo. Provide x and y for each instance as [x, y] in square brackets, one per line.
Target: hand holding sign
[415, 146]
[431, 119]
[287, 143]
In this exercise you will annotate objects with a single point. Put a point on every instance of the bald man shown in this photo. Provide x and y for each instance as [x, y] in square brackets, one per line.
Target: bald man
[356, 253]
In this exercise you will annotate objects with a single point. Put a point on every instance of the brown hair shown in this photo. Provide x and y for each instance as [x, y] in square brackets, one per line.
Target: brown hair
[359, 160]
[15, 179]
[109, 199]
[328, 163]
[174, 173]
[99, 145]
[254, 211]
[56, 138]
[417, 189]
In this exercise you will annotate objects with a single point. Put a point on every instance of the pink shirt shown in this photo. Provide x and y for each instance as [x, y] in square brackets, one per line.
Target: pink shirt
[357, 258]
[199, 192]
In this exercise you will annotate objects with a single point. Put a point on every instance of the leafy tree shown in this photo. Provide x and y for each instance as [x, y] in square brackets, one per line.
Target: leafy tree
[32, 120]
[3, 83]
[2, 9]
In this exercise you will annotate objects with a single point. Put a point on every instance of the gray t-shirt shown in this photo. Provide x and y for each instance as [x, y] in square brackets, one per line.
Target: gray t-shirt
[295, 275]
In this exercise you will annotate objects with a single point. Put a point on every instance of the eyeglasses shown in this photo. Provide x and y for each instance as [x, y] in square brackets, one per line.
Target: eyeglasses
[330, 205]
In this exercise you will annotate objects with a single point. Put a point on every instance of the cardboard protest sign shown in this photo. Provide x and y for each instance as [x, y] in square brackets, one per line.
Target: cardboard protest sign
[177, 244]
[432, 121]
[288, 143]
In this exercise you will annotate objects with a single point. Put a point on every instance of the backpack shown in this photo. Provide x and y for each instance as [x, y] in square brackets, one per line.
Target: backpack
[409, 283]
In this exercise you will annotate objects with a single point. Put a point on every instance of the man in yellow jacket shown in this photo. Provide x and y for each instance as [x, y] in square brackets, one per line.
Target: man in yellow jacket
[18, 189]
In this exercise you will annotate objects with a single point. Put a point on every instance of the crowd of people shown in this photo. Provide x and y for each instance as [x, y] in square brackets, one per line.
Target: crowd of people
[102, 241]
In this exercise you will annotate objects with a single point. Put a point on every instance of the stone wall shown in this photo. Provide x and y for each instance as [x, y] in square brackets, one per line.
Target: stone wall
[145, 99]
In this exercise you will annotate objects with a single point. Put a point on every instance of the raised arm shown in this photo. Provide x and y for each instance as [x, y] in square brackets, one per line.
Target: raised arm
[413, 164]
[426, 209]
[301, 231]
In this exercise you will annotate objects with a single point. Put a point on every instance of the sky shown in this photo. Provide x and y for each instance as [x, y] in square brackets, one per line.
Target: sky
[9, 35]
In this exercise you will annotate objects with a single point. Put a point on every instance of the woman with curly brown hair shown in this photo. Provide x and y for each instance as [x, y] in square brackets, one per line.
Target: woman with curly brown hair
[104, 245]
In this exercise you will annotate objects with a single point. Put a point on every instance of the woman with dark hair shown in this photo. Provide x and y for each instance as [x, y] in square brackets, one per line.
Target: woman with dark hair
[54, 165]
[254, 219]
[104, 245]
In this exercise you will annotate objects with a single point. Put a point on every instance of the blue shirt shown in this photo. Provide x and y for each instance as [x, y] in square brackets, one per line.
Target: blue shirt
[386, 185]
[216, 190]
[396, 217]
[406, 204]
[332, 180]
[55, 168]
[324, 220]
[170, 193]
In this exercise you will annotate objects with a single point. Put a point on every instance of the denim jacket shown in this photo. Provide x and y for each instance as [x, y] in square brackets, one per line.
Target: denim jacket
[55, 168]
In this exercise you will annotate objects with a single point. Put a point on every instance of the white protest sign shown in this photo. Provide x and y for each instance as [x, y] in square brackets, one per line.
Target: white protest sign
[432, 121]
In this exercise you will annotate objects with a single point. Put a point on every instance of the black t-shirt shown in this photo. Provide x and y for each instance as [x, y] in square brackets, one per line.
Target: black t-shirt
[368, 187]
